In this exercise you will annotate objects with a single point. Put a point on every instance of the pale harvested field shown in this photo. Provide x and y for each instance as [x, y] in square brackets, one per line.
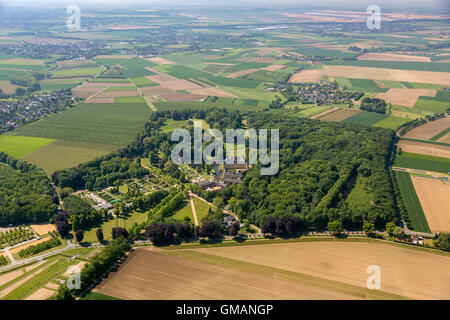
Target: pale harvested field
[115, 56]
[429, 129]
[307, 76]
[274, 67]
[23, 61]
[42, 229]
[148, 274]
[241, 73]
[183, 97]
[41, 294]
[99, 100]
[104, 84]
[406, 272]
[392, 57]
[82, 94]
[405, 97]
[156, 90]
[32, 243]
[212, 91]
[425, 148]
[445, 138]
[324, 113]
[160, 61]
[79, 265]
[72, 63]
[8, 87]
[172, 83]
[434, 196]
[388, 74]
[339, 115]
[7, 277]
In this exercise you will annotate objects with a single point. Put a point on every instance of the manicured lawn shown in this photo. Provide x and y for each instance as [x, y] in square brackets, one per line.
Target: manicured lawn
[186, 211]
[201, 209]
[412, 202]
[19, 146]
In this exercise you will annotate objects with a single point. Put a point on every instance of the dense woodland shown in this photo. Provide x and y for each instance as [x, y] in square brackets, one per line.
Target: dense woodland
[25, 193]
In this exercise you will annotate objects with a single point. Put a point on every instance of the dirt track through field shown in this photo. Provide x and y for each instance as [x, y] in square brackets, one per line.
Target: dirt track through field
[434, 196]
[148, 274]
[404, 271]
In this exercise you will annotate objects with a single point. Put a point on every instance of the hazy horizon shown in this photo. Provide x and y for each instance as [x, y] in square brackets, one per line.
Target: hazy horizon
[400, 4]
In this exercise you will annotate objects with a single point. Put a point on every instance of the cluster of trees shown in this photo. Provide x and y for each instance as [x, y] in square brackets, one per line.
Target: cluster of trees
[62, 223]
[28, 80]
[3, 261]
[14, 236]
[373, 105]
[40, 247]
[26, 195]
[319, 166]
[209, 229]
[100, 264]
[282, 227]
[443, 241]
[119, 232]
[81, 215]
[166, 233]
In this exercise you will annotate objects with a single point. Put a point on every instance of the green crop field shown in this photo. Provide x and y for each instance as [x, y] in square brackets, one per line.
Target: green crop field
[366, 118]
[136, 67]
[106, 123]
[63, 154]
[181, 71]
[412, 202]
[142, 82]
[365, 85]
[19, 146]
[422, 162]
[183, 105]
[245, 66]
[129, 100]
[121, 88]
[431, 105]
[78, 72]
[98, 296]
[111, 80]
[390, 122]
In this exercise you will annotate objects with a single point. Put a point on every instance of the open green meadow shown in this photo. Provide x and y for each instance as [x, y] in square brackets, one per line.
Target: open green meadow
[390, 122]
[19, 146]
[201, 208]
[412, 202]
[77, 72]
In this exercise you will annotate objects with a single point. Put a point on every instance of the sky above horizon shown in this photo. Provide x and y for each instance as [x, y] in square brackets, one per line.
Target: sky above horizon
[403, 4]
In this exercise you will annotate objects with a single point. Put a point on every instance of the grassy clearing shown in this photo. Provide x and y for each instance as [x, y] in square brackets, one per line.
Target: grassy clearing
[98, 296]
[19, 146]
[412, 202]
[184, 212]
[431, 105]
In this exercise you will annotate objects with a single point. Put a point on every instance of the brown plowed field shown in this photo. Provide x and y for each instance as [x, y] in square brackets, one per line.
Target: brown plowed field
[339, 115]
[429, 129]
[148, 274]
[425, 148]
[307, 76]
